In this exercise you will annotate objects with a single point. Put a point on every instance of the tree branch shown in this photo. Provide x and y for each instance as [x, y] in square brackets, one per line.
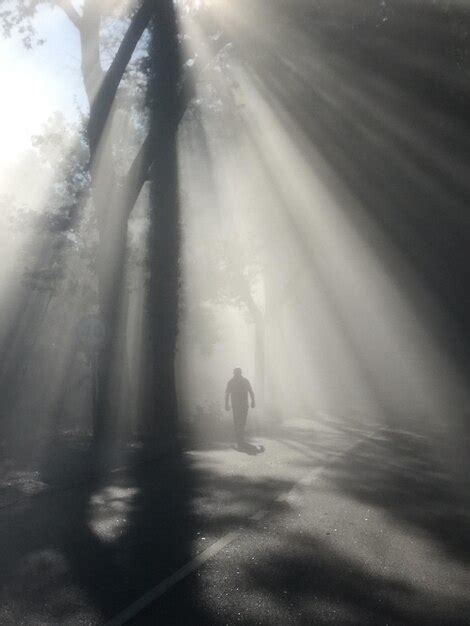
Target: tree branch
[70, 11]
[145, 159]
[92, 71]
[104, 99]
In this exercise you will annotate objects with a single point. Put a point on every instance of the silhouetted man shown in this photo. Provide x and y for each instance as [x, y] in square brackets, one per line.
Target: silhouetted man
[238, 389]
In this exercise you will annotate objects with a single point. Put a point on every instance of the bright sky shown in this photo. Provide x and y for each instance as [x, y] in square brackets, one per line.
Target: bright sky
[37, 82]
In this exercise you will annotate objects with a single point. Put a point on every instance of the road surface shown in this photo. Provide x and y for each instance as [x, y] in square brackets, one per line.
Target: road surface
[332, 523]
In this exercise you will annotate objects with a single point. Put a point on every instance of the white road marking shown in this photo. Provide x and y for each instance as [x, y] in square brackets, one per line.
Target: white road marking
[152, 595]
[294, 492]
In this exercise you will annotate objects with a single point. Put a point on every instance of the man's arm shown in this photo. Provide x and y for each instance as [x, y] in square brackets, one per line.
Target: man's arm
[252, 395]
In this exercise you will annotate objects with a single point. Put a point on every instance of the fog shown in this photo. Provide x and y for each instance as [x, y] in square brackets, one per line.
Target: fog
[281, 252]
[311, 225]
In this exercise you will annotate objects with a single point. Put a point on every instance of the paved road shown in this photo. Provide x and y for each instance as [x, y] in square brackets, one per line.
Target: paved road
[331, 524]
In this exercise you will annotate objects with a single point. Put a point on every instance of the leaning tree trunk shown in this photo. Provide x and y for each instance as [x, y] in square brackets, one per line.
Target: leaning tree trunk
[163, 239]
[113, 203]
[111, 270]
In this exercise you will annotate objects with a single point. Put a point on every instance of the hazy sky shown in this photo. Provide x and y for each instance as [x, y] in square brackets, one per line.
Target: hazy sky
[37, 82]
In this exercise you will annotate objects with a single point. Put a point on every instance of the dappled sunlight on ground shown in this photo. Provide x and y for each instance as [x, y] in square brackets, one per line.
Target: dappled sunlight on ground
[346, 549]
[334, 520]
[109, 511]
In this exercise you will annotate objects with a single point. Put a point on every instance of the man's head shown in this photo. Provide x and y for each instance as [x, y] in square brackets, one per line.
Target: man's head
[237, 372]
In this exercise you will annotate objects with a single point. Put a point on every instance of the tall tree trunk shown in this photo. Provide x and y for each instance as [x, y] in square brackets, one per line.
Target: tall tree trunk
[112, 259]
[164, 236]
[260, 361]
[113, 202]
[260, 344]
[111, 218]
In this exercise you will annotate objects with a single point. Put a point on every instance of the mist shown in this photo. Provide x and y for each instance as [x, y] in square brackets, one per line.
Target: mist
[234, 325]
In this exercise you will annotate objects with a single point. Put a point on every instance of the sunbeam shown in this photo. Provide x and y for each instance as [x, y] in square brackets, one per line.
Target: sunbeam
[234, 322]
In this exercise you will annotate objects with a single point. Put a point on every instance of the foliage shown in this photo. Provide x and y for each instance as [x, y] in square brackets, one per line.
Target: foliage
[62, 225]
[17, 17]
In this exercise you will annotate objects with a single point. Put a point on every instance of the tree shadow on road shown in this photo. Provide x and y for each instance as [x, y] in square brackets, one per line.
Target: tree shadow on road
[308, 577]
[301, 576]
[399, 474]
[95, 548]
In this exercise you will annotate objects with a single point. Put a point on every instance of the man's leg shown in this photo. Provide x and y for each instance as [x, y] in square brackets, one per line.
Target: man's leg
[236, 425]
[239, 420]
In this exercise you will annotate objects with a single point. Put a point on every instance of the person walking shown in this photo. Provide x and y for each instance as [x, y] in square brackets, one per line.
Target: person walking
[237, 392]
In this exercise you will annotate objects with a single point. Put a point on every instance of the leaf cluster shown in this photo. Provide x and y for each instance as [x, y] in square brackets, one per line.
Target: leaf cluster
[17, 17]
